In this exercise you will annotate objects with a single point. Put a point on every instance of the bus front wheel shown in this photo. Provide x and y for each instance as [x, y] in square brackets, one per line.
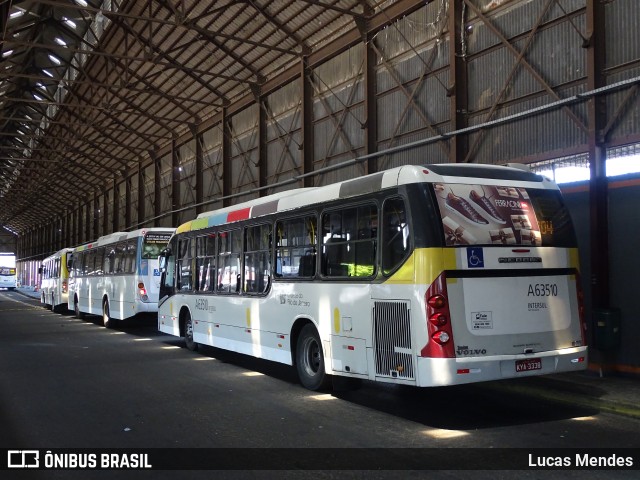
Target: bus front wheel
[188, 334]
[106, 317]
[310, 359]
[54, 308]
[76, 310]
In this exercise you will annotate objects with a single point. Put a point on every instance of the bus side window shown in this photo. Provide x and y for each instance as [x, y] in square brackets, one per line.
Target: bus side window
[229, 251]
[89, 260]
[350, 242]
[395, 234]
[77, 264]
[130, 256]
[109, 260]
[99, 263]
[296, 240]
[206, 263]
[257, 267]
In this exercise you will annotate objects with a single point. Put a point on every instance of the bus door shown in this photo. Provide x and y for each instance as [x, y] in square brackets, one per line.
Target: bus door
[394, 300]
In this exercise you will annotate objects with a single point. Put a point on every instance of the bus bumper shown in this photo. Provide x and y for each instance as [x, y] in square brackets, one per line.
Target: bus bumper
[146, 307]
[434, 372]
[168, 324]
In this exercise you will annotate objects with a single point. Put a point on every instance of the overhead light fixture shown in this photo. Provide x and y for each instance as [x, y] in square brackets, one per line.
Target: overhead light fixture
[16, 14]
[69, 22]
[7, 53]
[55, 59]
[38, 97]
[60, 41]
[47, 72]
[82, 3]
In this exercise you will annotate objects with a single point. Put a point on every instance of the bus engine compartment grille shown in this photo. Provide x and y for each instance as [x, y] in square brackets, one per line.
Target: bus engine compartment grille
[392, 338]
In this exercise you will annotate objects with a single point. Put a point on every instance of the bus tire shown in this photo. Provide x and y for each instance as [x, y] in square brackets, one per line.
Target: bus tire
[54, 308]
[188, 333]
[107, 321]
[310, 359]
[76, 310]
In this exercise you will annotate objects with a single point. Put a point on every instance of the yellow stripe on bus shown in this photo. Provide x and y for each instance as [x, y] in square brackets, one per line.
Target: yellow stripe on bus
[574, 258]
[185, 227]
[424, 265]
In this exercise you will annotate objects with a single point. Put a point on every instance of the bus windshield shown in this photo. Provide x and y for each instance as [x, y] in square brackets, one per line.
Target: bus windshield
[501, 215]
[153, 244]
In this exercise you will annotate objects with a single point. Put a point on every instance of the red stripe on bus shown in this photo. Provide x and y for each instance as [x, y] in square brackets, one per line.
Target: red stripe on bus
[236, 215]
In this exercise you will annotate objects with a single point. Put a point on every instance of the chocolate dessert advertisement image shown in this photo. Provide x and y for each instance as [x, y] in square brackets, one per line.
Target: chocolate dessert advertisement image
[487, 214]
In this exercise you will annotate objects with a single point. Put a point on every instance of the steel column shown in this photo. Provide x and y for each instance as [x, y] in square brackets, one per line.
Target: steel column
[199, 171]
[457, 92]
[226, 158]
[598, 185]
[175, 184]
[307, 120]
[141, 198]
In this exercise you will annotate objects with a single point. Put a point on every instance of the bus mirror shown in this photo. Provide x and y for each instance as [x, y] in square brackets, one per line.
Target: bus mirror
[39, 270]
[162, 259]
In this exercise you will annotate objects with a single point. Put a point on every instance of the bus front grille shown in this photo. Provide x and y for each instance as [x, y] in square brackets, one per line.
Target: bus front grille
[392, 332]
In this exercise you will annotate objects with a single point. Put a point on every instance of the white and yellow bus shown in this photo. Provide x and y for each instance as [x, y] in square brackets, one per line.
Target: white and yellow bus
[420, 275]
[117, 276]
[54, 280]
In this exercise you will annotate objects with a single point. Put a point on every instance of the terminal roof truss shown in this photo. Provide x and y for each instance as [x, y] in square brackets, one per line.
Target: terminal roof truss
[89, 89]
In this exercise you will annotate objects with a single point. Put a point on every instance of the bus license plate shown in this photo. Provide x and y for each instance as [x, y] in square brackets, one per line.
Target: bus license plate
[528, 364]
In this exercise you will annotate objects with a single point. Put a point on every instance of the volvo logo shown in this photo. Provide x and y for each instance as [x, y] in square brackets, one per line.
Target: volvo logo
[520, 260]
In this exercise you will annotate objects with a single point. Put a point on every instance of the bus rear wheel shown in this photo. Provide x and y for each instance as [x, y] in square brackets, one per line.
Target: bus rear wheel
[106, 317]
[310, 359]
[188, 333]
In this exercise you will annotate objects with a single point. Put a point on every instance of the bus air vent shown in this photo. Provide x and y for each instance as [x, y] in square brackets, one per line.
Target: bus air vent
[392, 338]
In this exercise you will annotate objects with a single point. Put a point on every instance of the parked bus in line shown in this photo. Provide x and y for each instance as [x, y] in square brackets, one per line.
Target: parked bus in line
[117, 276]
[8, 278]
[54, 280]
[420, 275]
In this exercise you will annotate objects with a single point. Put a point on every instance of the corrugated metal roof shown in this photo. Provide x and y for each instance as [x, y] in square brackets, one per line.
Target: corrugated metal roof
[91, 89]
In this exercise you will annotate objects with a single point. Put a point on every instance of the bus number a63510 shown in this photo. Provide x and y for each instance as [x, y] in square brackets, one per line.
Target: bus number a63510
[542, 290]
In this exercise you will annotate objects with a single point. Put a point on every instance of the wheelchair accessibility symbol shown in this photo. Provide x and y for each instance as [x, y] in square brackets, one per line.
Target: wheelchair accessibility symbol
[475, 258]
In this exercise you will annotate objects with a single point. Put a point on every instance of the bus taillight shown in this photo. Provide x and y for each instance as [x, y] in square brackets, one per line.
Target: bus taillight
[440, 344]
[438, 319]
[437, 301]
[142, 291]
[64, 286]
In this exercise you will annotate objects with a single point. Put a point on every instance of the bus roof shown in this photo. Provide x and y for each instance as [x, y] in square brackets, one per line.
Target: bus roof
[58, 254]
[121, 236]
[302, 197]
